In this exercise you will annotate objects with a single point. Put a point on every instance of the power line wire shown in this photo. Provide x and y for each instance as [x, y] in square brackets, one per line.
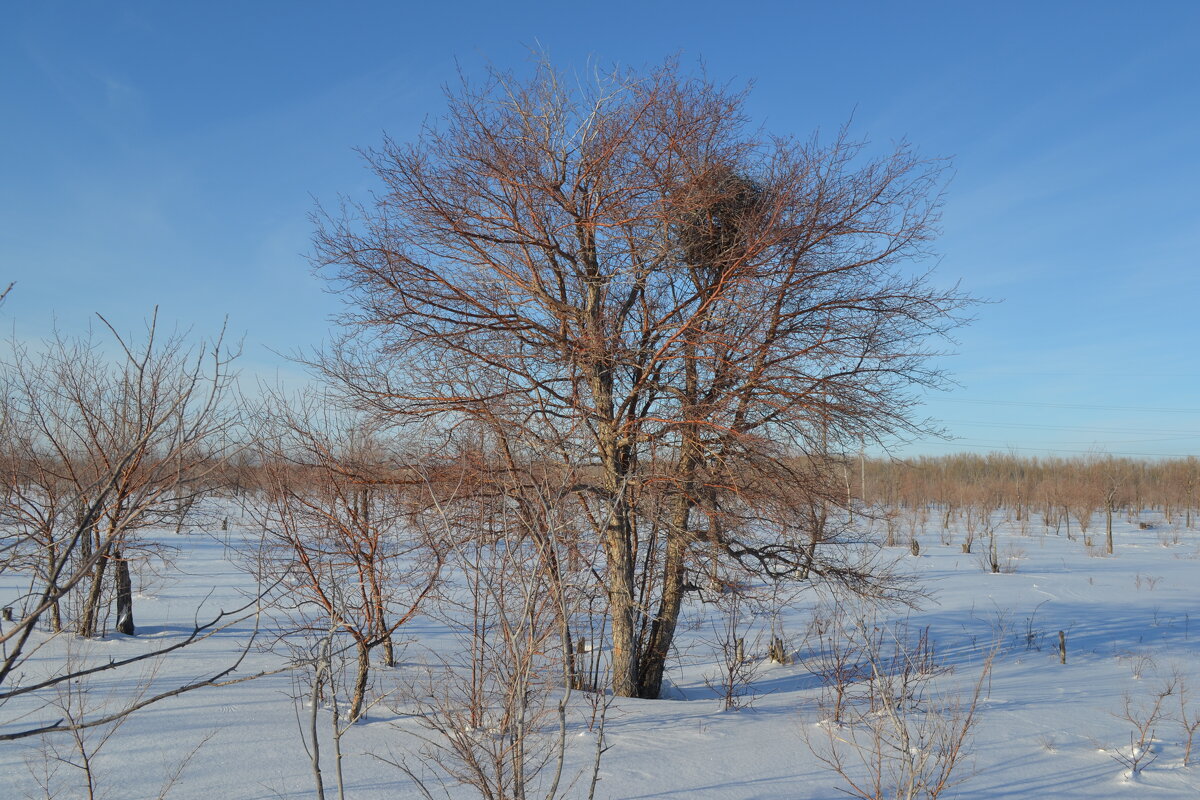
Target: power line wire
[1091, 452]
[1080, 428]
[1153, 409]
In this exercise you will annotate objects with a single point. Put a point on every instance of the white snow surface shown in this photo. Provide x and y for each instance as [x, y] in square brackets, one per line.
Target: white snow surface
[1046, 730]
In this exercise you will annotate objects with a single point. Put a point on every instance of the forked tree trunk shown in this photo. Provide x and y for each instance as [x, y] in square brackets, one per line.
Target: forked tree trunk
[388, 651]
[662, 630]
[382, 634]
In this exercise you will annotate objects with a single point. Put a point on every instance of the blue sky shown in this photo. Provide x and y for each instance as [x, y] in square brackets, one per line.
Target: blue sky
[170, 154]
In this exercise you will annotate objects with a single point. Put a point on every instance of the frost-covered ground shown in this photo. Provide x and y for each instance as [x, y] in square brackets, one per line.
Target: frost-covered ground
[1045, 729]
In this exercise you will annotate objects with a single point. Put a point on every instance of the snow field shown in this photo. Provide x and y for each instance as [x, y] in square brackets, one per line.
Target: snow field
[1045, 729]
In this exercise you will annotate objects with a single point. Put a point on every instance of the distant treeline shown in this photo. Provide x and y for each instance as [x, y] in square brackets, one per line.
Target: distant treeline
[1021, 484]
[994, 481]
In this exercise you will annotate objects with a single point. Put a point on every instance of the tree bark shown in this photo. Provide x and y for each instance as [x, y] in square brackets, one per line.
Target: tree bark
[1108, 511]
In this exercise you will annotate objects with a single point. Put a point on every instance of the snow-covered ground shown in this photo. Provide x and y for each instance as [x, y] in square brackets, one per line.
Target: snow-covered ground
[1045, 729]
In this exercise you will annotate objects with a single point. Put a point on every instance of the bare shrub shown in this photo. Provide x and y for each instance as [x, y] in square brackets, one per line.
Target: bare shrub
[945, 536]
[1148, 582]
[1000, 560]
[1033, 635]
[1009, 558]
[1170, 537]
[1144, 716]
[1052, 517]
[891, 521]
[971, 527]
[737, 664]
[905, 740]
[837, 659]
[338, 533]
[1083, 512]
[1139, 664]
[1188, 719]
[494, 717]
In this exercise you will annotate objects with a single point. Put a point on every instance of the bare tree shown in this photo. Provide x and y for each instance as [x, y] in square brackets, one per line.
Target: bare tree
[737, 663]
[1115, 473]
[626, 277]
[1188, 719]
[334, 528]
[837, 659]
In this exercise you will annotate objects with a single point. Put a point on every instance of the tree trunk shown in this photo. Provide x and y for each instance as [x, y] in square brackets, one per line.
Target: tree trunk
[382, 633]
[662, 631]
[617, 551]
[321, 671]
[389, 651]
[91, 605]
[52, 588]
[819, 519]
[124, 595]
[618, 543]
[1108, 526]
[361, 673]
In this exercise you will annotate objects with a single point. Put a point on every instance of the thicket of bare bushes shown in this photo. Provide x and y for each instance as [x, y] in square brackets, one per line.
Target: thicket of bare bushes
[95, 449]
[1063, 492]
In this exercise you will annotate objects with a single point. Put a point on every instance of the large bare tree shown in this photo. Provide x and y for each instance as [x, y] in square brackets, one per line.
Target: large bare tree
[623, 277]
